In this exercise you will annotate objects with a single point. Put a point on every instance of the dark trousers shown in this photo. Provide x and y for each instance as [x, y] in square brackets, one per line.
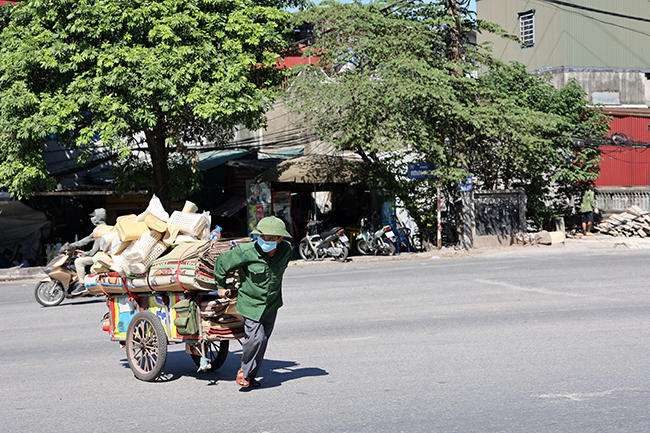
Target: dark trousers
[254, 345]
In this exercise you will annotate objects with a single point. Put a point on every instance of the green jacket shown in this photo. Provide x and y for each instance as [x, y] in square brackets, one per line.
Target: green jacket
[588, 201]
[260, 293]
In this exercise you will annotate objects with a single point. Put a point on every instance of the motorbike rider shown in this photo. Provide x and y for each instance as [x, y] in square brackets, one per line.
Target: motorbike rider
[97, 217]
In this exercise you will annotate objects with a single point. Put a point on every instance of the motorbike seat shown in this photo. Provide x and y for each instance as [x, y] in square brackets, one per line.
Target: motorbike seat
[312, 227]
[330, 232]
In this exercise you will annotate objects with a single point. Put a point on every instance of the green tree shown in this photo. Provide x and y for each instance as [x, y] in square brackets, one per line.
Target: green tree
[397, 84]
[153, 75]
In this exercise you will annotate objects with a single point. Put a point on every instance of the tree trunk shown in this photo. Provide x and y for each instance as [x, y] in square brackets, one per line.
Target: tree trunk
[156, 142]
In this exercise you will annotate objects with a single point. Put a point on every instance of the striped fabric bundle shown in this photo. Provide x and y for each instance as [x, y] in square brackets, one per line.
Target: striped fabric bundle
[220, 319]
[187, 267]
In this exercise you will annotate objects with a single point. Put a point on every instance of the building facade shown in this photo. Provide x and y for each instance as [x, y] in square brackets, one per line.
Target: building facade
[604, 46]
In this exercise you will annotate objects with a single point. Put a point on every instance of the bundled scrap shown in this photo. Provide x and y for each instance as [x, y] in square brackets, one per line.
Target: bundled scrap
[634, 222]
[156, 252]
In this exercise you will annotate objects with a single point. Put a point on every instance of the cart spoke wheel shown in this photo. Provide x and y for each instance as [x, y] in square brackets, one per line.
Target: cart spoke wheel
[146, 346]
[217, 351]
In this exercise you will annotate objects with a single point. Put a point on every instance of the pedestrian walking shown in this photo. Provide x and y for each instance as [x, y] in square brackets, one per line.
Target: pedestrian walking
[588, 207]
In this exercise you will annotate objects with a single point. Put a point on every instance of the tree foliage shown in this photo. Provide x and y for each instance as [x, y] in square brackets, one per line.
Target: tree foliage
[124, 74]
[401, 83]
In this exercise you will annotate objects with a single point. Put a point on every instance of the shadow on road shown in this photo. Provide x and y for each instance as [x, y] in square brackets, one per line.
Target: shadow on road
[272, 374]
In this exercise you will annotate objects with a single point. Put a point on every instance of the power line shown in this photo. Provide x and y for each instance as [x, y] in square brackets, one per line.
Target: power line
[585, 8]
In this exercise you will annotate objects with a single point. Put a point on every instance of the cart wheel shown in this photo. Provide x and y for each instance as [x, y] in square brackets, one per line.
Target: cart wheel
[217, 351]
[49, 293]
[146, 346]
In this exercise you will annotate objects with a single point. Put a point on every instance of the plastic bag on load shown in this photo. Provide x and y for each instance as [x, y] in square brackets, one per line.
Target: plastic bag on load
[106, 241]
[117, 246]
[156, 209]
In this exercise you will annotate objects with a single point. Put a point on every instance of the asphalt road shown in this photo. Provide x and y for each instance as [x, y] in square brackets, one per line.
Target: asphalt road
[553, 342]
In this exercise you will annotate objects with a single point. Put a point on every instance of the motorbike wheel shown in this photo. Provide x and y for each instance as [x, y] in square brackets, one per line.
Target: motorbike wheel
[386, 247]
[305, 251]
[217, 351]
[49, 293]
[344, 252]
[146, 346]
[362, 247]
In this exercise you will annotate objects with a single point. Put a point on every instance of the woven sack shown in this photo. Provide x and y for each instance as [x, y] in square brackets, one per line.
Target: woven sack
[143, 266]
[142, 247]
[192, 224]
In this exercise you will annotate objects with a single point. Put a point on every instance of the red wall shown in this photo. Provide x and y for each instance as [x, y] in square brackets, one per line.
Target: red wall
[626, 166]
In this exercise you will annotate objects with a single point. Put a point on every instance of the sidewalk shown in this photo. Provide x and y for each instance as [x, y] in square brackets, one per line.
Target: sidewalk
[596, 242]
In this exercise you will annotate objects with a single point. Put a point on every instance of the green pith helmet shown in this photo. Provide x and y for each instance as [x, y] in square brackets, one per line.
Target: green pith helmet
[272, 226]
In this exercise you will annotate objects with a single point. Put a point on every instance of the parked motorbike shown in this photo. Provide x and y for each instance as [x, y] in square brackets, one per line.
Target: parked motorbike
[62, 281]
[331, 243]
[375, 241]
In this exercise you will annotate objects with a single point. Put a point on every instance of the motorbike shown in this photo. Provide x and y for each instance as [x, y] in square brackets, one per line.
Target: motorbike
[375, 242]
[331, 243]
[62, 281]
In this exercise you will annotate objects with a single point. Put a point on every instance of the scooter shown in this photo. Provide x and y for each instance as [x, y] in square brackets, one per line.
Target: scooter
[62, 281]
[377, 241]
[331, 243]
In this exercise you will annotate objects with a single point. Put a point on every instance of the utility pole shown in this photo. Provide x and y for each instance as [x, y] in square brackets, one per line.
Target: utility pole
[462, 199]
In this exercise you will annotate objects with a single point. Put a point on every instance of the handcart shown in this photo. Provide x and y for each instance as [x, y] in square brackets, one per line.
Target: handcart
[175, 300]
[145, 326]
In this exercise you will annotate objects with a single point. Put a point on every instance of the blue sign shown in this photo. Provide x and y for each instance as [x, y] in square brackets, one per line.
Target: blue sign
[421, 170]
[468, 185]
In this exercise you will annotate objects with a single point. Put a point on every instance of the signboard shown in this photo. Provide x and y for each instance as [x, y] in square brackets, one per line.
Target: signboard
[282, 208]
[467, 185]
[421, 170]
[259, 202]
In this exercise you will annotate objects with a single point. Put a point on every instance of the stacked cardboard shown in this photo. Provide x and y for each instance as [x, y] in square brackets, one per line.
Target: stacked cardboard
[633, 222]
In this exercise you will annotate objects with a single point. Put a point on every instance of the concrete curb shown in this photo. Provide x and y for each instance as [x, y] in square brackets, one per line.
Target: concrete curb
[16, 273]
[597, 242]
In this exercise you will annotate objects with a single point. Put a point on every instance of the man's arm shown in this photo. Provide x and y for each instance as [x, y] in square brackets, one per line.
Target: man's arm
[94, 250]
[83, 242]
[225, 263]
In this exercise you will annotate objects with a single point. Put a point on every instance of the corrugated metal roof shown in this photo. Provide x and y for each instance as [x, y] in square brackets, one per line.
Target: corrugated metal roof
[216, 158]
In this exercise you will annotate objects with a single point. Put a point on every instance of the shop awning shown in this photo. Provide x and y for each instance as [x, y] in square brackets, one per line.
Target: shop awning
[313, 169]
[230, 207]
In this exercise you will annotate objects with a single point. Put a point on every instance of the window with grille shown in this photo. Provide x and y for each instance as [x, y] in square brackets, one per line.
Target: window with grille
[527, 28]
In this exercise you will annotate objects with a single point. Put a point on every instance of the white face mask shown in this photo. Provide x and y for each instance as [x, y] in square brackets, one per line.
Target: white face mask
[267, 245]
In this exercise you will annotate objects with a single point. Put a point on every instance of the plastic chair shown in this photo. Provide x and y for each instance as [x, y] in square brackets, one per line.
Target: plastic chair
[402, 236]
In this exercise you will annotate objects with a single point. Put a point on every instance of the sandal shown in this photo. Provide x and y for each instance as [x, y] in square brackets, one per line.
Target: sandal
[241, 380]
[254, 383]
